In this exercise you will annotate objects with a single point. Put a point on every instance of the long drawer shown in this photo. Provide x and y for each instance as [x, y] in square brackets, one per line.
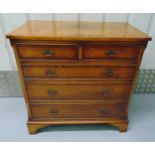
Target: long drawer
[76, 91]
[78, 110]
[79, 72]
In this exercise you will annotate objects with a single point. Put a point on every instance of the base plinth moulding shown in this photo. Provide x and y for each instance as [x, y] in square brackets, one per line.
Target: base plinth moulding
[34, 126]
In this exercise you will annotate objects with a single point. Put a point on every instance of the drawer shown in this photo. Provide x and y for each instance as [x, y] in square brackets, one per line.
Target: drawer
[76, 91]
[79, 72]
[115, 110]
[47, 52]
[110, 52]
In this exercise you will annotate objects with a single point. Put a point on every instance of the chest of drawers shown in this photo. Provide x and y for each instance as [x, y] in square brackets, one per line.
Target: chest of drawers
[77, 73]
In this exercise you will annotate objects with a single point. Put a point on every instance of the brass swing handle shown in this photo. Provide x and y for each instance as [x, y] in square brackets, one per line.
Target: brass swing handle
[52, 92]
[50, 72]
[54, 111]
[48, 53]
[106, 92]
[104, 111]
[109, 72]
[111, 53]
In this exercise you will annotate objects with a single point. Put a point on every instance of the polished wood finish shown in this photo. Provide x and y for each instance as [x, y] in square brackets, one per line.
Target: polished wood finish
[110, 52]
[77, 72]
[58, 110]
[47, 52]
[77, 91]
[78, 31]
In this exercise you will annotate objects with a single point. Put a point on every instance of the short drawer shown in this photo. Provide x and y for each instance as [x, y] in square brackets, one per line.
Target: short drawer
[110, 52]
[77, 91]
[47, 52]
[115, 110]
[79, 72]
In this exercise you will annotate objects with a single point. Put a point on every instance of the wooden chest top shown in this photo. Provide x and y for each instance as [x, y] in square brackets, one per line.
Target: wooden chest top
[78, 31]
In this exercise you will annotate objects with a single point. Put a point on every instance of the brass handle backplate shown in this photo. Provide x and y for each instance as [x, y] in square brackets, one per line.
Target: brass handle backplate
[106, 92]
[111, 53]
[48, 53]
[50, 72]
[109, 72]
[52, 92]
[54, 111]
[104, 111]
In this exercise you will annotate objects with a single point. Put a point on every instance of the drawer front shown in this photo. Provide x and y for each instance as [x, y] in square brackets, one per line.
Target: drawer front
[110, 52]
[80, 72]
[77, 91]
[47, 52]
[78, 110]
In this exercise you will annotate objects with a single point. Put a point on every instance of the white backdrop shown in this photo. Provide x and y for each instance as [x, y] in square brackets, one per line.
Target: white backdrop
[145, 22]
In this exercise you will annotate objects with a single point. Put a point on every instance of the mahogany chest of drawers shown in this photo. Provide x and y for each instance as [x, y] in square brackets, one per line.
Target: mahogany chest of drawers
[77, 72]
